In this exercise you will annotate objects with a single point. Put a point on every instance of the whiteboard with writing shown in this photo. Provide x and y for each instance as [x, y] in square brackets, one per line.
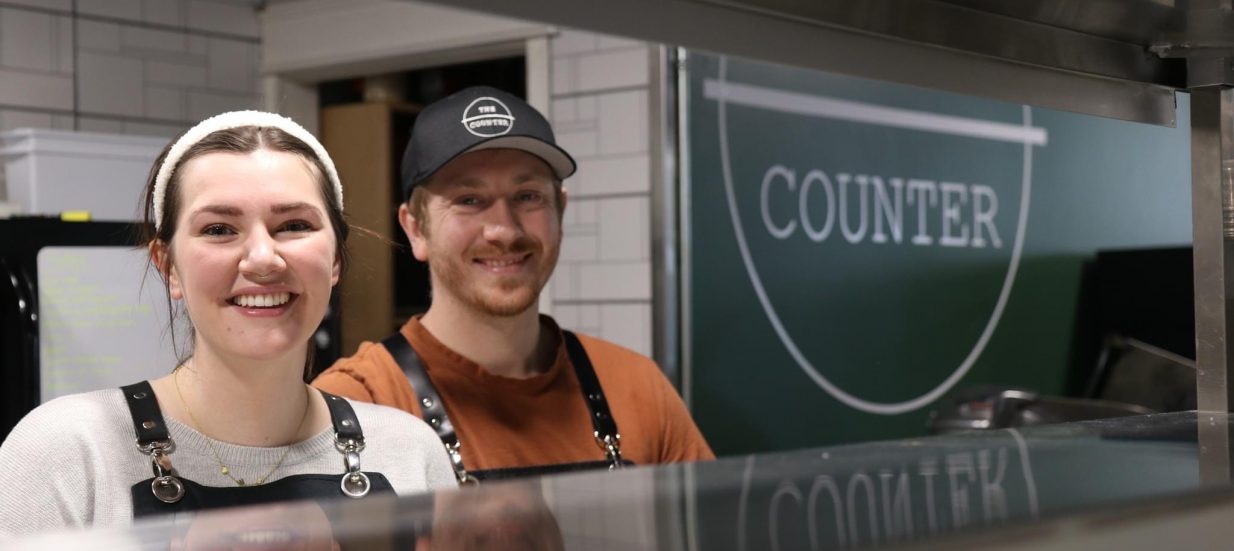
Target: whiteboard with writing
[103, 320]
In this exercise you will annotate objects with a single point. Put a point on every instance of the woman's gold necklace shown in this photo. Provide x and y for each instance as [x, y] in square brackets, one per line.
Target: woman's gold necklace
[209, 443]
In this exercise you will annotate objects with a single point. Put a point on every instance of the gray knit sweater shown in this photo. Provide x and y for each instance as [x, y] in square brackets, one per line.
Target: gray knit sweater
[72, 461]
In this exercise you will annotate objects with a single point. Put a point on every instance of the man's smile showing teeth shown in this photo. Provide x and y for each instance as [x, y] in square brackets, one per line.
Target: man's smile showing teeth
[262, 301]
[502, 264]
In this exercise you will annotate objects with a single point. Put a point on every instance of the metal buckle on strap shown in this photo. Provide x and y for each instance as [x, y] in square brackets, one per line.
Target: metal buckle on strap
[456, 461]
[611, 444]
[345, 445]
[165, 486]
[355, 483]
[161, 446]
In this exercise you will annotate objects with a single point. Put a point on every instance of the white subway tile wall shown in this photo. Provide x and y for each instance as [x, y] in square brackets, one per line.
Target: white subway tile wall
[579, 246]
[35, 72]
[622, 124]
[110, 84]
[628, 66]
[627, 323]
[615, 281]
[163, 12]
[19, 119]
[29, 40]
[91, 124]
[98, 36]
[175, 74]
[132, 66]
[601, 113]
[117, 9]
[164, 103]
[624, 174]
[58, 5]
[34, 91]
[234, 17]
[155, 66]
[624, 229]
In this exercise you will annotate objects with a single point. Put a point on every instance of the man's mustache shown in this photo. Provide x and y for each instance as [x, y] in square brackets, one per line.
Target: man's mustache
[521, 245]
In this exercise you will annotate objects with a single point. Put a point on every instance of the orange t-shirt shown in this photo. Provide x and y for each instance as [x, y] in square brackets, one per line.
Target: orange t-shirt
[505, 422]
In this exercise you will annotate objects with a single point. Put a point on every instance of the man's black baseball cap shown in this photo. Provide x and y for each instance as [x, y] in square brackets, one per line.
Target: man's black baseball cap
[479, 117]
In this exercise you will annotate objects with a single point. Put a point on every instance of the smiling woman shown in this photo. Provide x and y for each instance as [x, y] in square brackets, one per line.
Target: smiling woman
[242, 245]
[249, 235]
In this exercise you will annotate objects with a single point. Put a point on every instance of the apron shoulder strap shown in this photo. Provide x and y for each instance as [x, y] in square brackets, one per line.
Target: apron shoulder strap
[431, 407]
[154, 440]
[434, 412]
[606, 434]
[343, 417]
[147, 417]
[601, 418]
[349, 441]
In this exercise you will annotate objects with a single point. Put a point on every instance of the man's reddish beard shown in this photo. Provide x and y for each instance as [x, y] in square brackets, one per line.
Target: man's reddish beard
[514, 294]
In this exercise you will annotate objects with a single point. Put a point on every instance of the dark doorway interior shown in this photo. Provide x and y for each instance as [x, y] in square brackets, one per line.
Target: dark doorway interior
[407, 93]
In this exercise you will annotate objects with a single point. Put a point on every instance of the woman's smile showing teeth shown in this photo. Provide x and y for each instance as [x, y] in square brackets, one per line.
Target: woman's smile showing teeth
[264, 303]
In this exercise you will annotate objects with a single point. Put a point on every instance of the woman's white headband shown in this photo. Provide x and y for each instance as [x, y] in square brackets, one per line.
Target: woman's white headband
[236, 119]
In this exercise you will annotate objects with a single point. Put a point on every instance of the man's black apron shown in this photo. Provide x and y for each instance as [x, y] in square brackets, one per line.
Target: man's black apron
[434, 412]
[167, 492]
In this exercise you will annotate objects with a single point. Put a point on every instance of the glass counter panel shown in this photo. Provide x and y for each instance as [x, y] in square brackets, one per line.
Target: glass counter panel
[920, 491]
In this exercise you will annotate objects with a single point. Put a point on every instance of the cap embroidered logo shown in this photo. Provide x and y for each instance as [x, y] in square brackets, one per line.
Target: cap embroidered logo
[487, 117]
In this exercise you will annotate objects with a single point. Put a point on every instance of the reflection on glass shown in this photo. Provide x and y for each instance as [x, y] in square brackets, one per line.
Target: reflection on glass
[511, 516]
[301, 526]
[931, 490]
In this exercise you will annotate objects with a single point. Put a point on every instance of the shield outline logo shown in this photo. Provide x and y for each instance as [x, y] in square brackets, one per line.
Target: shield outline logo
[723, 93]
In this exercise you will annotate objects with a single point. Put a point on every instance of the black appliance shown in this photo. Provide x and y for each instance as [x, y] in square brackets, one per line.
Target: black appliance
[80, 299]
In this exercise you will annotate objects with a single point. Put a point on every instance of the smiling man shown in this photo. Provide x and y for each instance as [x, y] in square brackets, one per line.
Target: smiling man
[509, 392]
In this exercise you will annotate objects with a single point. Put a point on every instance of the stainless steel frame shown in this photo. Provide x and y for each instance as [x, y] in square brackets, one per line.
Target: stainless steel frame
[1212, 208]
[685, 238]
[665, 280]
[981, 48]
[1096, 37]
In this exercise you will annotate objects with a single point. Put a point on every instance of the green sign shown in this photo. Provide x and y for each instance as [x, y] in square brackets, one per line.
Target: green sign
[859, 249]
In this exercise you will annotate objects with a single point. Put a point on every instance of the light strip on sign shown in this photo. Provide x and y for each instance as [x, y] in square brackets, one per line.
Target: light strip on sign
[846, 110]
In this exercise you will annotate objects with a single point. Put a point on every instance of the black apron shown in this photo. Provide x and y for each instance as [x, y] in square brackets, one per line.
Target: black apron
[166, 492]
[434, 412]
